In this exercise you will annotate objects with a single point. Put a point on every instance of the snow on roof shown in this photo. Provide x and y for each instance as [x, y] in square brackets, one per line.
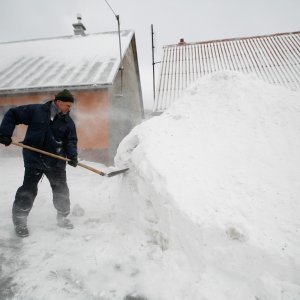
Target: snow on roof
[90, 60]
[273, 58]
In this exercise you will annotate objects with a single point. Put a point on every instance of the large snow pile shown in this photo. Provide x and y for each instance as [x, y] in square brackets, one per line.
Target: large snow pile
[209, 209]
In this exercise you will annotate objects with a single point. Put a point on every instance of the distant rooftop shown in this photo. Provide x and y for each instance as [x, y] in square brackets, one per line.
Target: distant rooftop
[70, 61]
[273, 58]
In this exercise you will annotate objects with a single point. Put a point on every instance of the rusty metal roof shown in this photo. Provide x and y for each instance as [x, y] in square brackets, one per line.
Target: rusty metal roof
[70, 61]
[273, 58]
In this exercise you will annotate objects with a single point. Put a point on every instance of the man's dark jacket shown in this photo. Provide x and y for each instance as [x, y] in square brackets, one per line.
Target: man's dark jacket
[57, 136]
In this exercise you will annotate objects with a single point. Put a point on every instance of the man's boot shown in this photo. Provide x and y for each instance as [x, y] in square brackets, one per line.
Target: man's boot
[20, 223]
[63, 222]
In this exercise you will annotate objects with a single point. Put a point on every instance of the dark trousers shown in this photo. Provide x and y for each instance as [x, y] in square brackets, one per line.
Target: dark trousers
[27, 192]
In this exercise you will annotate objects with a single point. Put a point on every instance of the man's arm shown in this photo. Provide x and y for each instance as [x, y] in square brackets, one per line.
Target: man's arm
[71, 146]
[15, 116]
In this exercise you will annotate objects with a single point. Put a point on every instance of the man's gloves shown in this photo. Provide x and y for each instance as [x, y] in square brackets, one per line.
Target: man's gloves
[73, 161]
[5, 140]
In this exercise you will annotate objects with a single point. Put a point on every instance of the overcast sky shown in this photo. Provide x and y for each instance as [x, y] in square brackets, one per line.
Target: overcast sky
[193, 20]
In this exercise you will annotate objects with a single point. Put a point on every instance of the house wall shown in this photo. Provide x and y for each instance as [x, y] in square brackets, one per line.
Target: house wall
[126, 103]
[90, 114]
[91, 118]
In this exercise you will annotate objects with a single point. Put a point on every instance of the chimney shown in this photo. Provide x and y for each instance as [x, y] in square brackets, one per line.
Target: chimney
[181, 42]
[79, 28]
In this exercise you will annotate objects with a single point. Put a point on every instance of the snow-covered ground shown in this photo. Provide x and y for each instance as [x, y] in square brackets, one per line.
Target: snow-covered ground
[209, 209]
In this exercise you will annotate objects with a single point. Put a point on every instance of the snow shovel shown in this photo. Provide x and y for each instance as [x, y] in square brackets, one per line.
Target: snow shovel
[110, 174]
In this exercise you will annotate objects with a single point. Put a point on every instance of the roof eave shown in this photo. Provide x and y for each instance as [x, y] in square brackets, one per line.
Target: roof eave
[54, 88]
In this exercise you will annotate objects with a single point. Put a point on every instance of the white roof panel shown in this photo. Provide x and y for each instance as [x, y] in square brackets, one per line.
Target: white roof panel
[90, 60]
[273, 58]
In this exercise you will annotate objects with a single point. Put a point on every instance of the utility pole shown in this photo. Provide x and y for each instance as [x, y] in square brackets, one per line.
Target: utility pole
[119, 31]
[153, 61]
[120, 46]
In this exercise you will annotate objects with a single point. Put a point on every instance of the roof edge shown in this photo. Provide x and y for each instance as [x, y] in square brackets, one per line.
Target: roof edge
[64, 37]
[53, 88]
[233, 39]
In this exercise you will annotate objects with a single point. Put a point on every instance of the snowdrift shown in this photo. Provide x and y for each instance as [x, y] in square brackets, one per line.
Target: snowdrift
[225, 164]
[209, 209]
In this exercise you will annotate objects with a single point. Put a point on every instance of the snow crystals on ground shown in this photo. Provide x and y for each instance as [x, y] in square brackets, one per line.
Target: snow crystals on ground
[209, 209]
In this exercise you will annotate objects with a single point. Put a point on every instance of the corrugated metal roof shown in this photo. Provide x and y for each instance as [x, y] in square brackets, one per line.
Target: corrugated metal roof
[273, 58]
[90, 60]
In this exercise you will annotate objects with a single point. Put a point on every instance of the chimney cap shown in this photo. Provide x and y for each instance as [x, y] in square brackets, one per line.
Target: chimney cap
[182, 42]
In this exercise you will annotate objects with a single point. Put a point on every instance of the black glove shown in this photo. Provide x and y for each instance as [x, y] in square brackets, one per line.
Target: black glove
[73, 161]
[5, 140]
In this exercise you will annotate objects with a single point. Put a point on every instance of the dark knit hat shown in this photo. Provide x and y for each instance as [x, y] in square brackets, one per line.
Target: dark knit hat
[65, 96]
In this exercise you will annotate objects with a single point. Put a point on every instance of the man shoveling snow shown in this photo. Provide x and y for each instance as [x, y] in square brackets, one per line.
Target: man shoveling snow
[50, 128]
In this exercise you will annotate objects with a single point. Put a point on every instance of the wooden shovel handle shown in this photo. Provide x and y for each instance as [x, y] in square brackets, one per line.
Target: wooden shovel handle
[58, 157]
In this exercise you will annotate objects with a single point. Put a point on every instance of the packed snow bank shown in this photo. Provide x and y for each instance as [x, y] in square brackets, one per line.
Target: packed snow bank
[209, 208]
[227, 157]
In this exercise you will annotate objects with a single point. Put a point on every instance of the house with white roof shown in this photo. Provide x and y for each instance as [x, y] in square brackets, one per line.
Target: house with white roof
[103, 76]
[273, 58]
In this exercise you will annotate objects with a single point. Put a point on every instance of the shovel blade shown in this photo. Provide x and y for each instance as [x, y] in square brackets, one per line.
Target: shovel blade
[114, 173]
